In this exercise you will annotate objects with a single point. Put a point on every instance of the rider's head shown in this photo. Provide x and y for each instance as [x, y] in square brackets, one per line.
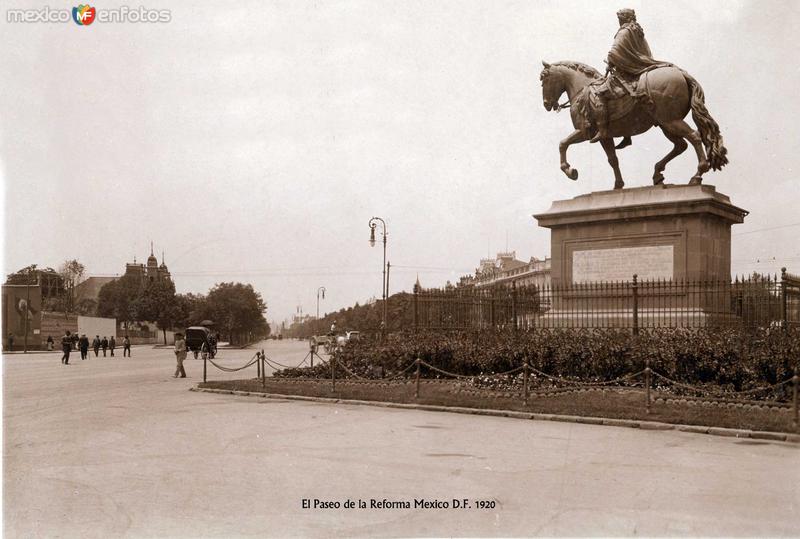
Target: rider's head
[626, 15]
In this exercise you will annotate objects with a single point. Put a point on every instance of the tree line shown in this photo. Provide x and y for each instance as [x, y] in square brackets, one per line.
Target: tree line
[236, 309]
[364, 318]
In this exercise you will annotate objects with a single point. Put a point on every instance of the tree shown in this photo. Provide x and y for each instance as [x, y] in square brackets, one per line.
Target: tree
[157, 303]
[26, 275]
[71, 271]
[237, 309]
[86, 307]
[58, 287]
[191, 309]
[117, 299]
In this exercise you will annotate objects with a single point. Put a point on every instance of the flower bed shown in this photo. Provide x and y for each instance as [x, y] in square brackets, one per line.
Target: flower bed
[719, 359]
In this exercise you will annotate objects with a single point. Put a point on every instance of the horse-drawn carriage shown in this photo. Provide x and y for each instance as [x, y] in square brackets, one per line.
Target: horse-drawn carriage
[201, 342]
[330, 343]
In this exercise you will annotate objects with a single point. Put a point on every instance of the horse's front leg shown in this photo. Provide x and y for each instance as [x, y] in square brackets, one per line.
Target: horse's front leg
[611, 154]
[575, 137]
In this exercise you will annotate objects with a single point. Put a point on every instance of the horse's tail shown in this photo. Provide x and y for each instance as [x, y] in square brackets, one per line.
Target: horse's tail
[708, 127]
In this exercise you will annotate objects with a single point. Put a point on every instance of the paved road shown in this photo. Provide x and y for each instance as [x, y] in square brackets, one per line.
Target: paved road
[117, 447]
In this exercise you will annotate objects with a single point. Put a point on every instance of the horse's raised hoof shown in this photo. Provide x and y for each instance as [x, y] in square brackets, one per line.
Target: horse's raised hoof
[619, 185]
[572, 174]
[696, 180]
[658, 178]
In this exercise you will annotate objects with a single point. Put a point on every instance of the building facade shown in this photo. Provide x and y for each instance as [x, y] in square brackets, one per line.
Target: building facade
[506, 269]
[22, 316]
[151, 271]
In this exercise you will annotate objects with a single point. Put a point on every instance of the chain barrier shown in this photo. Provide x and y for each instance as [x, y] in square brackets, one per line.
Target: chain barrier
[577, 383]
[252, 362]
[401, 373]
[558, 379]
[302, 362]
[462, 376]
[721, 394]
[272, 361]
[351, 373]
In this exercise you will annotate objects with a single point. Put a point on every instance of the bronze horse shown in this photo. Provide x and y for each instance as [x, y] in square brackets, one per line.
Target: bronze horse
[667, 95]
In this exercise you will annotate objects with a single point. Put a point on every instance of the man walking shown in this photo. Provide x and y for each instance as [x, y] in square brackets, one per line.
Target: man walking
[180, 355]
[112, 343]
[83, 344]
[66, 347]
[96, 345]
[104, 344]
[10, 342]
[126, 346]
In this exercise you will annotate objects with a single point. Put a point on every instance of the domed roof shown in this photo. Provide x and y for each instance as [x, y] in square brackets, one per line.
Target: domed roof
[152, 260]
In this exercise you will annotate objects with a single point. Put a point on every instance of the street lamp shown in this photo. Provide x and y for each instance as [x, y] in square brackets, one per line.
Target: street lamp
[322, 289]
[27, 307]
[373, 223]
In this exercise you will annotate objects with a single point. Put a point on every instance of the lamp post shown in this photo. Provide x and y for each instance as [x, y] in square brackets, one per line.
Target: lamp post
[373, 223]
[320, 289]
[27, 308]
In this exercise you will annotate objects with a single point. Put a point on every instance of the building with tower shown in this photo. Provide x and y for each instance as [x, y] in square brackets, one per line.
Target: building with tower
[150, 272]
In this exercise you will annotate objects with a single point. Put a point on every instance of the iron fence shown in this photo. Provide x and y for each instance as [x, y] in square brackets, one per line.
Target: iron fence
[751, 302]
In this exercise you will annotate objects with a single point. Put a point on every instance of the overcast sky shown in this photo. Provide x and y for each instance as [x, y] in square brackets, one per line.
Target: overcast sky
[252, 141]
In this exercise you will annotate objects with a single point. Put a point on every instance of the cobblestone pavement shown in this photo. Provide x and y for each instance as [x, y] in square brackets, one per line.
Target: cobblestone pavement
[117, 447]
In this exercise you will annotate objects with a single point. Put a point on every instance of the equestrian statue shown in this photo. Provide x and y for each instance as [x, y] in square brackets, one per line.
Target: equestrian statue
[636, 93]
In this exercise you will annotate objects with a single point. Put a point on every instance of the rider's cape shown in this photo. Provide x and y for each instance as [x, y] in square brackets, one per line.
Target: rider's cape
[630, 54]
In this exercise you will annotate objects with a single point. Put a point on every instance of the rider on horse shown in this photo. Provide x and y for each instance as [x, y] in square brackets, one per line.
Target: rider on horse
[629, 57]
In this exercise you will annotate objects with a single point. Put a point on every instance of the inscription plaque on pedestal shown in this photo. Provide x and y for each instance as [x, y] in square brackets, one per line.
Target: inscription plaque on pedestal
[599, 265]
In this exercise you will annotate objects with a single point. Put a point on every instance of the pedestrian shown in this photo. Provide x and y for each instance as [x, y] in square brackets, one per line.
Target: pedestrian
[83, 345]
[212, 345]
[96, 345]
[126, 346]
[50, 343]
[104, 344]
[112, 343]
[180, 355]
[66, 347]
[75, 341]
[10, 342]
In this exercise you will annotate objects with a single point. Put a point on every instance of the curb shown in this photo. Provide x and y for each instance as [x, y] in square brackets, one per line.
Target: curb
[585, 420]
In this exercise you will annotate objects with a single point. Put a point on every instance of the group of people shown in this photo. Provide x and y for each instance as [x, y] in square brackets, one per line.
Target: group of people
[71, 341]
[105, 344]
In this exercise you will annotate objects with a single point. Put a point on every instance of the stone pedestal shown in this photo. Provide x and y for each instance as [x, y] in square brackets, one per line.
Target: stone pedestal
[671, 232]
[674, 234]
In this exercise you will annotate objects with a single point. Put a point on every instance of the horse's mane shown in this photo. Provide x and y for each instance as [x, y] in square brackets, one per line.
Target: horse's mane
[583, 68]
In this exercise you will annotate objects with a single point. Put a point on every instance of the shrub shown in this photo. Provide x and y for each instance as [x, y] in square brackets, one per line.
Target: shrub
[731, 359]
